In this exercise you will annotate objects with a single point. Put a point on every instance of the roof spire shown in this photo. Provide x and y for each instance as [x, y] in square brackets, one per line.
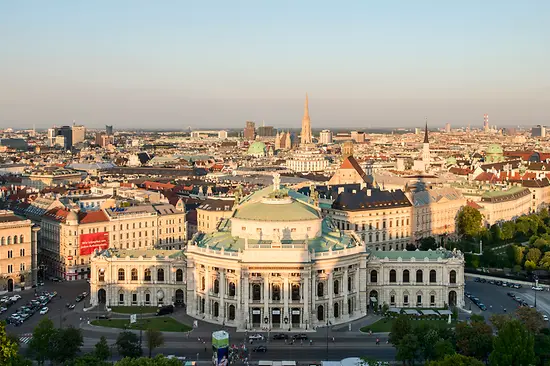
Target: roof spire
[426, 141]
[306, 107]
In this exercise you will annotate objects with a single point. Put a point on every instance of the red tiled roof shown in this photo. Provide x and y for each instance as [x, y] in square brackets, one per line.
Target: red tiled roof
[91, 217]
[57, 214]
[486, 177]
[473, 204]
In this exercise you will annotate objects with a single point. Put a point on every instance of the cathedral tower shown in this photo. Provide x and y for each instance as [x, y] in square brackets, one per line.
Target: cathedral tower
[305, 136]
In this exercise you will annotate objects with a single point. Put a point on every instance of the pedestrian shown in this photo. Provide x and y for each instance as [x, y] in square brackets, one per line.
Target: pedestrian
[377, 341]
[332, 339]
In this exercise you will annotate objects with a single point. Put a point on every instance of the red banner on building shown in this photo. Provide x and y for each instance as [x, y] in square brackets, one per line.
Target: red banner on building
[91, 242]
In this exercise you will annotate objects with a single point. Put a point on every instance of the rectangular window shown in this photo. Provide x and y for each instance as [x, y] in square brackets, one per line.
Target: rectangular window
[134, 298]
[121, 298]
[22, 267]
[406, 299]
[432, 300]
[10, 254]
[10, 268]
[21, 252]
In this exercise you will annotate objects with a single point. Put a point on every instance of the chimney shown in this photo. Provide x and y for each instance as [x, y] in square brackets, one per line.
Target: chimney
[369, 192]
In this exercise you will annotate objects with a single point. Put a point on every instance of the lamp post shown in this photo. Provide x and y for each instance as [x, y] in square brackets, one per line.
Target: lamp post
[535, 277]
[328, 323]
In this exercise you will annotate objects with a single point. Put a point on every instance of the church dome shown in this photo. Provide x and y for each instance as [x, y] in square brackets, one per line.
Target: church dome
[494, 149]
[257, 149]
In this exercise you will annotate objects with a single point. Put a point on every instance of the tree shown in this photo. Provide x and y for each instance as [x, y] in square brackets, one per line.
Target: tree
[154, 339]
[372, 361]
[545, 261]
[399, 328]
[428, 243]
[159, 360]
[457, 360]
[477, 318]
[496, 233]
[128, 344]
[530, 265]
[542, 346]
[474, 339]
[39, 345]
[89, 360]
[513, 345]
[443, 348]
[102, 350]
[508, 230]
[8, 347]
[533, 255]
[540, 243]
[520, 252]
[65, 344]
[408, 349]
[469, 221]
[499, 320]
[531, 319]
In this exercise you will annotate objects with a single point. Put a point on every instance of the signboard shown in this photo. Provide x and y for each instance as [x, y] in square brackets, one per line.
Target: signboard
[276, 312]
[70, 257]
[256, 312]
[295, 312]
[133, 318]
[91, 242]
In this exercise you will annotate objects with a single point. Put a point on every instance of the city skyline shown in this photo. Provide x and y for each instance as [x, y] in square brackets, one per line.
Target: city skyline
[364, 65]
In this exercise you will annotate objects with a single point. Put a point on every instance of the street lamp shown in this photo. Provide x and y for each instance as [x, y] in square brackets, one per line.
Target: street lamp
[328, 323]
[535, 277]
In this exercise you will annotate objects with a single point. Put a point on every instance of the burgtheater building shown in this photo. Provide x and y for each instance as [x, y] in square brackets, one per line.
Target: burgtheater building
[277, 263]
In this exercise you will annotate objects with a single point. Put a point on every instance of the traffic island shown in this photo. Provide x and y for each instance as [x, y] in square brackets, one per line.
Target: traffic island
[163, 324]
[384, 325]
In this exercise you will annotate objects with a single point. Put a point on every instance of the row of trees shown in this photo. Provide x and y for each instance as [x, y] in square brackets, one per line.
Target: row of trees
[521, 340]
[62, 346]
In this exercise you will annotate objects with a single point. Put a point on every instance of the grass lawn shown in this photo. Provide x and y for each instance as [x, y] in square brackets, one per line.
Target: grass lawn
[163, 323]
[384, 325]
[134, 309]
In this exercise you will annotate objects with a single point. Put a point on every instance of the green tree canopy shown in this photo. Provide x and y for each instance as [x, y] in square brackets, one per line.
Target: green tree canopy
[508, 230]
[469, 221]
[457, 360]
[65, 344]
[127, 344]
[408, 349]
[102, 350]
[8, 347]
[533, 255]
[159, 360]
[514, 345]
[39, 345]
[400, 327]
[89, 360]
[428, 243]
[531, 319]
[154, 340]
[474, 339]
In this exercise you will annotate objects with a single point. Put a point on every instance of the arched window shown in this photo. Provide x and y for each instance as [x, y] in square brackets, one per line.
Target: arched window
[256, 292]
[3, 241]
[231, 312]
[216, 286]
[336, 287]
[9, 240]
[373, 276]
[160, 275]
[121, 274]
[433, 276]
[393, 276]
[15, 239]
[216, 309]
[419, 276]
[452, 277]
[320, 313]
[179, 275]
[275, 292]
[232, 290]
[147, 274]
[336, 310]
[203, 283]
[406, 276]
[21, 239]
[101, 275]
[320, 289]
[296, 292]
[134, 274]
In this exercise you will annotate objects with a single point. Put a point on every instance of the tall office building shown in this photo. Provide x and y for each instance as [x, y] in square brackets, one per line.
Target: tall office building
[325, 137]
[486, 123]
[109, 130]
[266, 131]
[305, 136]
[358, 136]
[447, 127]
[79, 134]
[250, 131]
[539, 131]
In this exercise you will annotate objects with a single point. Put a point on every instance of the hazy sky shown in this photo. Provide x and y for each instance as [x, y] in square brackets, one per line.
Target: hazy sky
[218, 63]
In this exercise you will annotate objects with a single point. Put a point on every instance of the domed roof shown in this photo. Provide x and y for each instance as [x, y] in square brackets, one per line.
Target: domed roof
[264, 211]
[257, 147]
[451, 160]
[494, 149]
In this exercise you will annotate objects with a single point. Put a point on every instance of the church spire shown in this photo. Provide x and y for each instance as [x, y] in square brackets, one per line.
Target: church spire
[426, 141]
[306, 108]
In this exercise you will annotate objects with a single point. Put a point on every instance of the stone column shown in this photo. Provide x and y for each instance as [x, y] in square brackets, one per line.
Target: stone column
[34, 254]
[345, 284]
[305, 310]
[313, 316]
[194, 289]
[266, 300]
[245, 301]
[207, 290]
[330, 287]
[286, 311]
[223, 286]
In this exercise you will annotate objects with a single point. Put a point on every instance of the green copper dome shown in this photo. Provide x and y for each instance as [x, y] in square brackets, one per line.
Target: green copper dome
[494, 149]
[257, 148]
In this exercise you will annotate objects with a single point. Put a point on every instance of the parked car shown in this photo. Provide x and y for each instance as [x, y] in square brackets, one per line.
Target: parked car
[280, 336]
[537, 288]
[79, 298]
[15, 297]
[44, 310]
[256, 337]
[299, 336]
[482, 306]
[168, 309]
[260, 349]
[71, 306]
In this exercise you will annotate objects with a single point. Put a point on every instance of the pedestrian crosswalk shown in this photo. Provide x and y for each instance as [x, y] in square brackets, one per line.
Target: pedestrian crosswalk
[25, 338]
